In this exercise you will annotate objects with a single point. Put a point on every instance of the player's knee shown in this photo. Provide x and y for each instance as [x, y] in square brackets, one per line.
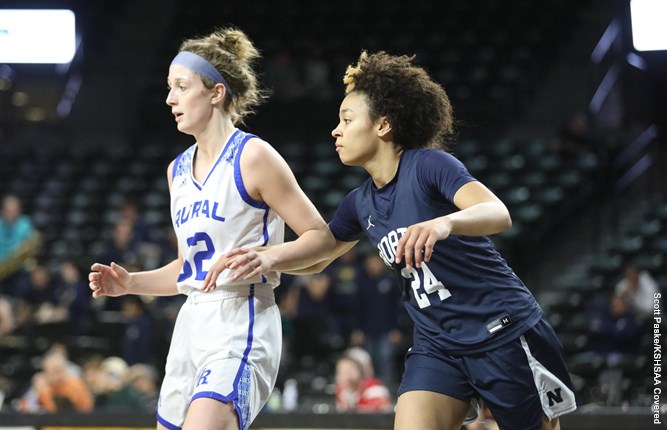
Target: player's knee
[548, 424]
[211, 414]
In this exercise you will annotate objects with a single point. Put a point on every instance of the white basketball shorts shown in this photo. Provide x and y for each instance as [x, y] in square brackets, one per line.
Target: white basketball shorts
[226, 345]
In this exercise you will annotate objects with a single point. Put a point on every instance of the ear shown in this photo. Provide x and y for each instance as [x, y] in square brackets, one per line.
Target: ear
[219, 93]
[383, 127]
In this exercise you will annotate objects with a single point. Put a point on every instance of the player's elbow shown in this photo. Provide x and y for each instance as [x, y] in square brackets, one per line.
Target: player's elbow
[505, 220]
[318, 268]
[310, 270]
[326, 241]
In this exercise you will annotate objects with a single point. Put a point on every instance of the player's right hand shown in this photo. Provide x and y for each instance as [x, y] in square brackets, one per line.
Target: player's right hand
[112, 281]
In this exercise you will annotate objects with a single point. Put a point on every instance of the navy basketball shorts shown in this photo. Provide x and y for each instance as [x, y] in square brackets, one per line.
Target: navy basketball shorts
[518, 381]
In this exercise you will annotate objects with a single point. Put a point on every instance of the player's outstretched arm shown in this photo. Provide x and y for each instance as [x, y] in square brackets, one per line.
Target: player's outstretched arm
[113, 280]
[247, 263]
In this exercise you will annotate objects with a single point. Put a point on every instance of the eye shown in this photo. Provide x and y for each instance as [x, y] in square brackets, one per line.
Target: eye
[346, 121]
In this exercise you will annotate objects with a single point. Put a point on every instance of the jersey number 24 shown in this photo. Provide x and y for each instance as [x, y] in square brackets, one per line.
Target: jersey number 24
[429, 283]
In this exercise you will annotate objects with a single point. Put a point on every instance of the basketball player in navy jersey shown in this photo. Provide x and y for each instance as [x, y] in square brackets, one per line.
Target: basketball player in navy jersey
[229, 189]
[478, 331]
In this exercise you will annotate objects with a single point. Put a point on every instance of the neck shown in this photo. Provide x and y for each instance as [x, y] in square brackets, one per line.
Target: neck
[211, 140]
[384, 165]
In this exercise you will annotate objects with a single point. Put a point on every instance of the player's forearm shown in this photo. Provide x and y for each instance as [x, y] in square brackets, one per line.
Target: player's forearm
[158, 282]
[312, 247]
[479, 220]
[314, 268]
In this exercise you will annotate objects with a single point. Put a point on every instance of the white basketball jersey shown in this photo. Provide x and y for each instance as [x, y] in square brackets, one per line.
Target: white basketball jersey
[218, 215]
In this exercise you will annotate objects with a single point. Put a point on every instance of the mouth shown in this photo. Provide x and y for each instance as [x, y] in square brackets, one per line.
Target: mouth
[177, 116]
[338, 147]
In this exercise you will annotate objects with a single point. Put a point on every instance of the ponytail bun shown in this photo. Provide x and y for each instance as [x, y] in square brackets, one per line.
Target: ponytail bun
[236, 43]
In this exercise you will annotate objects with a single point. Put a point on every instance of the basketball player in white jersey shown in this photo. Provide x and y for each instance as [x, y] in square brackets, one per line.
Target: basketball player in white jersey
[228, 190]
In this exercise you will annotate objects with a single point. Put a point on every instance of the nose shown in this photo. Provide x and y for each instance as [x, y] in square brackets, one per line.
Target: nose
[336, 133]
[170, 99]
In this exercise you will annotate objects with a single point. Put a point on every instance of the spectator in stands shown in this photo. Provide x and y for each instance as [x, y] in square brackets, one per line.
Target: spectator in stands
[23, 317]
[308, 307]
[19, 240]
[357, 392]
[616, 334]
[142, 231]
[139, 340]
[143, 379]
[112, 390]
[228, 189]
[364, 358]
[637, 288]
[72, 293]
[143, 235]
[616, 331]
[55, 389]
[7, 321]
[91, 367]
[344, 274]
[378, 309]
[73, 369]
[123, 248]
[42, 298]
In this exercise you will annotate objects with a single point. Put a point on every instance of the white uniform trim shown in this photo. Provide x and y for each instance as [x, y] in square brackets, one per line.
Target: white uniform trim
[556, 398]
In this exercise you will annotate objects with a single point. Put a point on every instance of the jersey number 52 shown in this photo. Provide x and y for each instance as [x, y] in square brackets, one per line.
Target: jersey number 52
[198, 257]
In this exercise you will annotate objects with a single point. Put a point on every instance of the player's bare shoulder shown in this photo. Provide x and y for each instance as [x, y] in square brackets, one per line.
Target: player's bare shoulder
[257, 151]
[260, 157]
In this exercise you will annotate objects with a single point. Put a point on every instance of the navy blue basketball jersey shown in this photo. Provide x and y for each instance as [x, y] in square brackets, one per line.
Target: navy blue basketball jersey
[466, 299]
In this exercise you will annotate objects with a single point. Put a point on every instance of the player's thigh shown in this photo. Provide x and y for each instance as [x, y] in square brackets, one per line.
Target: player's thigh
[211, 414]
[426, 410]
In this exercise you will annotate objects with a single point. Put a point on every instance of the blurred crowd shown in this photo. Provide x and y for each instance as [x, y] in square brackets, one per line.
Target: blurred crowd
[354, 303]
[349, 316]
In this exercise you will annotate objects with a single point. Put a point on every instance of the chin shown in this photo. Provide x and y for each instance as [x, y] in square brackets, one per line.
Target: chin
[347, 161]
[183, 129]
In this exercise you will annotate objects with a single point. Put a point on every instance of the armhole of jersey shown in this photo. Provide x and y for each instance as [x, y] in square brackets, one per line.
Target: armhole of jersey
[357, 200]
[419, 171]
[175, 166]
[238, 179]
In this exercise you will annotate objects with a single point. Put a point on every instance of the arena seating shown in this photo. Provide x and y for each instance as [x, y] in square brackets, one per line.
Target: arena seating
[489, 66]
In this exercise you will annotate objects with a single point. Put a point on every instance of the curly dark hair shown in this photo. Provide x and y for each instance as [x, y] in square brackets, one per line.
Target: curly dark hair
[417, 108]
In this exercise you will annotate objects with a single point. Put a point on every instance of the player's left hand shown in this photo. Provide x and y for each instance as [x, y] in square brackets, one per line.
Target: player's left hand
[418, 241]
[212, 276]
